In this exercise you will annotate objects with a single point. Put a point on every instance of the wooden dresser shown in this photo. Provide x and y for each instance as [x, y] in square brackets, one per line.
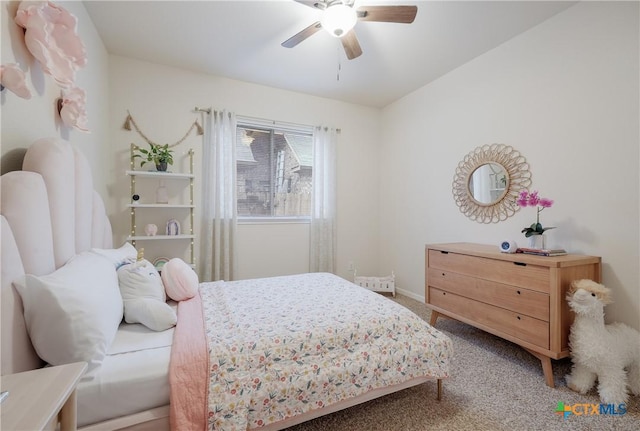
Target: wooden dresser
[518, 297]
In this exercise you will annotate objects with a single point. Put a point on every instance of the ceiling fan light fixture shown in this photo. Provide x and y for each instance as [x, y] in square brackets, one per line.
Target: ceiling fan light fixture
[339, 19]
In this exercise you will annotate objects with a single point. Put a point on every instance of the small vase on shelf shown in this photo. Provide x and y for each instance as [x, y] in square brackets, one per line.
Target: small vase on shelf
[537, 241]
[162, 194]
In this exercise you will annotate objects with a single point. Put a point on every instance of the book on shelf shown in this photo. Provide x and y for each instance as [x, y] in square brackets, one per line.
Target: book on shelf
[542, 251]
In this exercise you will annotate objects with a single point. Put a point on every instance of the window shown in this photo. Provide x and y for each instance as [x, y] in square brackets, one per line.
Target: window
[274, 168]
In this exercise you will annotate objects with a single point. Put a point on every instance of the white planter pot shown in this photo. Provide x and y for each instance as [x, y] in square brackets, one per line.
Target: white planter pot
[537, 241]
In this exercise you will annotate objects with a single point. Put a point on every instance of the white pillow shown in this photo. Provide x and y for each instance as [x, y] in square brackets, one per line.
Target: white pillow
[144, 297]
[118, 256]
[73, 313]
[179, 279]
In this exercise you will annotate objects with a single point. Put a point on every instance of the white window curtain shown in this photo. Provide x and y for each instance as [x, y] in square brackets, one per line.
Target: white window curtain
[218, 231]
[323, 204]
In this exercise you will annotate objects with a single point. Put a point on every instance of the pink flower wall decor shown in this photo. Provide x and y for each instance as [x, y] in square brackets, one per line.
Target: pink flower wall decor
[13, 78]
[50, 36]
[73, 110]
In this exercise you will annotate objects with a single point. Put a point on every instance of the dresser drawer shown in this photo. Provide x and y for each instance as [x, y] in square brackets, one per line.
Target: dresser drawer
[525, 301]
[517, 274]
[495, 319]
[452, 282]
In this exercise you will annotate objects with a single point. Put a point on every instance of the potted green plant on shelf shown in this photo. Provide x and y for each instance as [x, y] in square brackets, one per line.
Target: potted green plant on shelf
[160, 155]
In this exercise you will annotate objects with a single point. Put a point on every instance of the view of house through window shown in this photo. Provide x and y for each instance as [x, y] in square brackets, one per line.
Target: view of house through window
[274, 171]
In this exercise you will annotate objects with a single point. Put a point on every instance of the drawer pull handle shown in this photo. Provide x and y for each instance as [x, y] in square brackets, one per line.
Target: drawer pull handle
[443, 274]
[518, 292]
[518, 317]
[444, 252]
[520, 263]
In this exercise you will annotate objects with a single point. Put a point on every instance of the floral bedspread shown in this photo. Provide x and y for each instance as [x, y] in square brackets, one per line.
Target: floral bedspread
[283, 346]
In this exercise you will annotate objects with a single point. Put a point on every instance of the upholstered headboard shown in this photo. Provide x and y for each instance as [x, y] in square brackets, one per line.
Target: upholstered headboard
[49, 212]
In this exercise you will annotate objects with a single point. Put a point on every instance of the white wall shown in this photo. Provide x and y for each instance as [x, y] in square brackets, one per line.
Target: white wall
[24, 121]
[565, 94]
[161, 100]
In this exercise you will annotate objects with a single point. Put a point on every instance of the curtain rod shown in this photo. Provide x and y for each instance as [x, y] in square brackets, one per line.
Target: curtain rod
[272, 122]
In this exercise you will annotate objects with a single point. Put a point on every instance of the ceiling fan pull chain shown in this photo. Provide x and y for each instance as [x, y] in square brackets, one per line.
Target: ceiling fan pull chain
[339, 66]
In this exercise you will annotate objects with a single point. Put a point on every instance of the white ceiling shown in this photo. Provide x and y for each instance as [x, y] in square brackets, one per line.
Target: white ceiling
[241, 40]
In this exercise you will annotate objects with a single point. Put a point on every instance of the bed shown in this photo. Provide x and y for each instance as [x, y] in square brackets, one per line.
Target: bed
[251, 354]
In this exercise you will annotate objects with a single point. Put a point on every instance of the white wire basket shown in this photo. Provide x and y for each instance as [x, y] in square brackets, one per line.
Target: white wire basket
[377, 284]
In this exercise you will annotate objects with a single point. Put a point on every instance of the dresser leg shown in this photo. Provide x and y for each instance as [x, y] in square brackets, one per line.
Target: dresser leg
[546, 367]
[434, 317]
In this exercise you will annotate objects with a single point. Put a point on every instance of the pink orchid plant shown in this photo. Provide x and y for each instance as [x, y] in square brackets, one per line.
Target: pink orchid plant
[50, 36]
[13, 79]
[532, 199]
[72, 109]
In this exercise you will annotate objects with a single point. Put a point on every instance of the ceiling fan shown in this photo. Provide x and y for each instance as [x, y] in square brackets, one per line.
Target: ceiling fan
[339, 17]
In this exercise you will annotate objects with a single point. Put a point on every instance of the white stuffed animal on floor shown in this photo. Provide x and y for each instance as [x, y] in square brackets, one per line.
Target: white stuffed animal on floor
[600, 351]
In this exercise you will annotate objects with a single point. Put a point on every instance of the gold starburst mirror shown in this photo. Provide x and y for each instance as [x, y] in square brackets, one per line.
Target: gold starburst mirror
[488, 181]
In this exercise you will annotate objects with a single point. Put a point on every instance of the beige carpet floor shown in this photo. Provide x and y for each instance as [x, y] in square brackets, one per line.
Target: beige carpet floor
[495, 385]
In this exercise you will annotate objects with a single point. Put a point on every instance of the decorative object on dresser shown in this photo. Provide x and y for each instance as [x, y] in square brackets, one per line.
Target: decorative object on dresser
[508, 246]
[535, 232]
[488, 181]
[609, 353]
[517, 297]
[542, 251]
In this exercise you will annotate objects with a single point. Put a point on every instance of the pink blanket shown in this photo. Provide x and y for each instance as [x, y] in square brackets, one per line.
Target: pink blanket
[189, 368]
